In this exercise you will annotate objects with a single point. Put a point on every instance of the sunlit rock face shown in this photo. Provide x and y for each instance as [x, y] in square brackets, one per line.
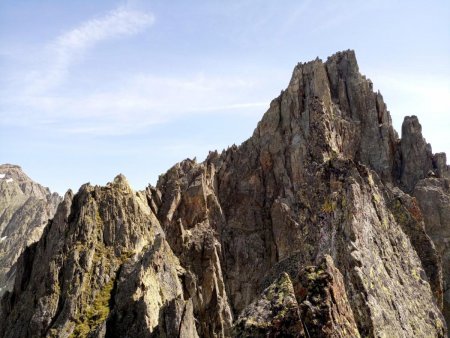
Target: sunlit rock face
[25, 208]
[321, 224]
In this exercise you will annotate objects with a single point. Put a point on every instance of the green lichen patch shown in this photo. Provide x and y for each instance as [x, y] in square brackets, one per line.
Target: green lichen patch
[276, 313]
[400, 213]
[96, 313]
[329, 206]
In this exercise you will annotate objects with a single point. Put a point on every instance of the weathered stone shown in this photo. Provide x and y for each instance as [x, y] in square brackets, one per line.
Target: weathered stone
[408, 215]
[433, 196]
[324, 308]
[275, 313]
[190, 215]
[148, 294]
[354, 96]
[440, 163]
[417, 158]
[312, 302]
[25, 208]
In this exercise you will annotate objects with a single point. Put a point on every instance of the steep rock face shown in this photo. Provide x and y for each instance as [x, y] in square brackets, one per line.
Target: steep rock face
[408, 215]
[191, 216]
[433, 196]
[266, 197]
[427, 176]
[302, 230]
[417, 158]
[103, 256]
[353, 96]
[25, 208]
[150, 285]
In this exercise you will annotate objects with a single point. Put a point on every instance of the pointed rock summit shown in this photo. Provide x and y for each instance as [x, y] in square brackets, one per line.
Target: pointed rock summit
[324, 223]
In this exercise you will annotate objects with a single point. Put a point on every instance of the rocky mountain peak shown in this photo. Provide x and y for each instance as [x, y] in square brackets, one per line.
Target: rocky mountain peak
[12, 167]
[14, 173]
[25, 208]
[121, 182]
[306, 229]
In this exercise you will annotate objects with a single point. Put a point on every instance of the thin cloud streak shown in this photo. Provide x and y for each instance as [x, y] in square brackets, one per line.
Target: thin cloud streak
[133, 102]
[72, 45]
[140, 102]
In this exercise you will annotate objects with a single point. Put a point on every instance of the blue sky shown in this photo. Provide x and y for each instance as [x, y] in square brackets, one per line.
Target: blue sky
[92, 89]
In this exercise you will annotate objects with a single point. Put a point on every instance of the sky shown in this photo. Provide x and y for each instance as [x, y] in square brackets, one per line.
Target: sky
[91, 89]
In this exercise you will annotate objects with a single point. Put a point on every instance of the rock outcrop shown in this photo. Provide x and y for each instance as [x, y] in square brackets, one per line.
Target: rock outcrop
[417, 158]
[311, 303]
[25, 208]
[307, 229]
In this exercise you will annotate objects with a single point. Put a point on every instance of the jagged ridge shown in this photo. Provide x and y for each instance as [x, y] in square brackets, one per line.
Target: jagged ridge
[305, 227]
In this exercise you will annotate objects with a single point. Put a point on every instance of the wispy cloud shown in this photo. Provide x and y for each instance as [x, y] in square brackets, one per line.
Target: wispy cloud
[72, 45]
[130, 103]
[139, 102]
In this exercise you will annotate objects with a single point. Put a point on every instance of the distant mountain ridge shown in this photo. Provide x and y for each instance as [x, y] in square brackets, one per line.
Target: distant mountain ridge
[25, 208]
[324, 223]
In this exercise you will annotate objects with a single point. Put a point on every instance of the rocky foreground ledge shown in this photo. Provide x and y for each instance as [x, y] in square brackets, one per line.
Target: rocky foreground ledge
[323, 224]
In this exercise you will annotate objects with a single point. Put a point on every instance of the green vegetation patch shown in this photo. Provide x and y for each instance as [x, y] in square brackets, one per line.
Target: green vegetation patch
[95, 314]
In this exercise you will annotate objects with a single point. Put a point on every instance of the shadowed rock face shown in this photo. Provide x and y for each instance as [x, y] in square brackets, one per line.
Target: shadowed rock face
[25, 208]
[307, 229]
[433, 196]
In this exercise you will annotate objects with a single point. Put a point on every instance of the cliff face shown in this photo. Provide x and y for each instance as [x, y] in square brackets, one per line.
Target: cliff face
[25, 208]
[307, 229]
[433, 195]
